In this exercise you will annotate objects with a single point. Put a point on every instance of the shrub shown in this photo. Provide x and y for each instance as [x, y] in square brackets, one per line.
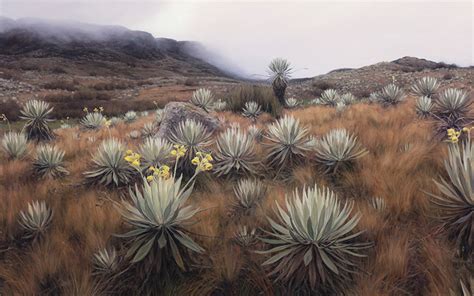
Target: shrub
[37, 116]
[292, 103]
[36, 220]
[155, 152]
[110, 167]
[391, 95]
[279, 71]
[219, 105]
[248, 193]
[203, 98]
[329, 97]
[48, 162]
[338, 148]
[193, 135]
[252, 110]
[313, 241]
[426, 87]
[130, 116]
[287, 142]
[245, 237]
[452, 102]
[14, 144]
[149, 130]
[105, 262]
[255, 132]
[348, 99]
[93, 120]
[424, 106]
[456, 200]
[262, 95]
[158, 216]
[235, 153]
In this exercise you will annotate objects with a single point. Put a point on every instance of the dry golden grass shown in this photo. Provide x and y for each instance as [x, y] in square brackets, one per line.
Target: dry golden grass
[411, 255]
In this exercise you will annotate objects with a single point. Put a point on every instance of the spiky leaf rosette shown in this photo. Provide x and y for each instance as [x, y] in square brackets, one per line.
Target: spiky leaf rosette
[245, 237]
[391, 95]
[255, 132]
[287, 142]
[109, 165]
[149, 130]
[14, 144]
[193, 135]
[348, 99]
[203, 98]
[155, 152]
[292, 103]
[105, 261]
[93, 120]
[49, 162]
[37, 115]
[374, 97]
[130, 116]
[219, 105]
[248, 193]
[338, 148]
[252, 110]
[329, 97]
[159, 113]
[235, 153]
[36, 220]
[452, 102]
[424, 106]
[158, 216]
[456, 201]
[280, 71]
[426, 87]
[313, 240]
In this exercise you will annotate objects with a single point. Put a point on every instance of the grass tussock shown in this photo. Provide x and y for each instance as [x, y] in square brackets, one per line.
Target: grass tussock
[410, 253]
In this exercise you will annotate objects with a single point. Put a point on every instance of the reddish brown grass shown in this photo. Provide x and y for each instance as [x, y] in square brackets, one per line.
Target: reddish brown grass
[411, 256]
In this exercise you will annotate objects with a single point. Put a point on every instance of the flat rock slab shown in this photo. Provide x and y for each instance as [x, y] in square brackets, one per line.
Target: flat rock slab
[176, 112]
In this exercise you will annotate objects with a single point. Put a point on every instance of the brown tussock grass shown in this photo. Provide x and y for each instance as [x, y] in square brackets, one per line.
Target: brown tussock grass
[410, 255]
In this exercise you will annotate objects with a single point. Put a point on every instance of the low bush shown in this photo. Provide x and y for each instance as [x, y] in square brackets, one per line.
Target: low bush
[263, 95]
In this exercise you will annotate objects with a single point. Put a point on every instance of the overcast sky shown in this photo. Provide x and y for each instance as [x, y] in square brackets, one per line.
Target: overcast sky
[316, 36]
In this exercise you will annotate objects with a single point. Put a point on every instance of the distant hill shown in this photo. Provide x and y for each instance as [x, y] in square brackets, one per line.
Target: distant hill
[362, 81]
[36, 38]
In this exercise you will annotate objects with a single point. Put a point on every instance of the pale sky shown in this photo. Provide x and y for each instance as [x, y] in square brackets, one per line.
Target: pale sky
[315, 36]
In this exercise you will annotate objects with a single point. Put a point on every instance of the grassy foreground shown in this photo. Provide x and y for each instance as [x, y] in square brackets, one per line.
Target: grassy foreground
[411, 253]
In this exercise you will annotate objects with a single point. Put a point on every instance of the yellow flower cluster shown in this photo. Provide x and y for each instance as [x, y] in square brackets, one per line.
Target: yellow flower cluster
[162, 172]
[178, 151]
[454, 135]
[133, 158]
[202, 161]
[107, 122]
[96, 109]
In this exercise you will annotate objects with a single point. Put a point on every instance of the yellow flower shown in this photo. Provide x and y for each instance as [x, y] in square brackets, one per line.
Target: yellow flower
[152, 169]
[174, 152]
[136, 163]
[195, 161]
[207, 166]
[128, 152]
[101, 109]
[209, 157]
[179, 151]
[165, 168]
[465, 129]
[150, 178]
[85, 109]
[129, 158]
[450, 131]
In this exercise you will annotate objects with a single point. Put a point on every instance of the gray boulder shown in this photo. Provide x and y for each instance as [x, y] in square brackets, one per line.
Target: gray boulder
[175, 112]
